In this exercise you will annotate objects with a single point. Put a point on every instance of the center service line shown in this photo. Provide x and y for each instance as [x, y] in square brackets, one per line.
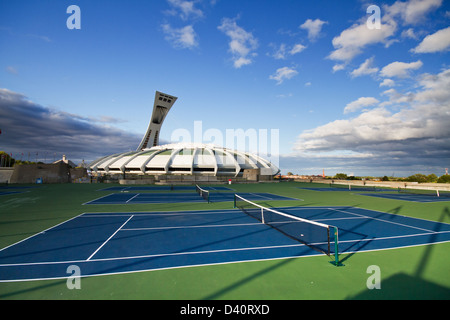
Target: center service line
[138, 194]
[109, 238]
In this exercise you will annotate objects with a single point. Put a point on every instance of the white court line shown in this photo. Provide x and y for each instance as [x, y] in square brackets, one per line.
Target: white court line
[396, 237]
[160, 213]
[192, 227]
[231, 250]
[272, 199]
[155, 255]
[109, 238]
[137, 194]
[386, 221]
[97, 199]
[41, 232]
[260, 196]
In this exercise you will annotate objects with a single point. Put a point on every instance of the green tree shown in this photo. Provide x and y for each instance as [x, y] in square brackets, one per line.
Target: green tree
[418, 177]
[6, 160]
[341, 176]
[444, 179]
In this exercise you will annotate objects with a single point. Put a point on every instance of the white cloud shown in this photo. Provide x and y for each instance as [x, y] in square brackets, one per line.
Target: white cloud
[353, 40]
[185, 9]
[12, 70]
[436, 89]
[360, 103]
[28, 126]
[412, 11]
[284, 96]
[387, 83]
[297, 49]
[313, 27]
[365, 69]
[283, 52]
[397, 98]
[283, 73]
[242, 43]
[376, 127]
[338, 67]
[400, 69]
[241, 61]
[182, 37]
[40, 37]
[438, 41]
[412, 134]
[409, 33]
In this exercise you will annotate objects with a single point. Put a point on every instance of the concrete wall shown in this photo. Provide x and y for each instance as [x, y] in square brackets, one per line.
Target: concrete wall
[50, 173]
[251, 174]
[381, 184]
[77, 173]
[5, 174]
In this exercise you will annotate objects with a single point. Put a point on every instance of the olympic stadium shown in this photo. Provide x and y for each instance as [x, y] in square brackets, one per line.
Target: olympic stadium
[187, 159]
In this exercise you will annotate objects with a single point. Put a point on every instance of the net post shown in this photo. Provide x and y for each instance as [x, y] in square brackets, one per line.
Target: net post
[262, 216]
[336, 248]
[234, 202]
[437, 193]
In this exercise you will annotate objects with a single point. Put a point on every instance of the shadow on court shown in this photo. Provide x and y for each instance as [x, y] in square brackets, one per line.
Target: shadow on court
[242, 282]
[402, 286]
[35, 288]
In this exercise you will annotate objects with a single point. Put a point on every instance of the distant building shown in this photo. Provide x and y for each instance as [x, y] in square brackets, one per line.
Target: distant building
[66, 161]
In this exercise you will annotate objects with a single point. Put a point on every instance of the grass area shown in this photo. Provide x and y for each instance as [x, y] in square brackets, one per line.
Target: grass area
[408, 273]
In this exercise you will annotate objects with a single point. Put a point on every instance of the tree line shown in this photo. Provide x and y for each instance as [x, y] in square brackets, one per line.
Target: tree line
[418, 177]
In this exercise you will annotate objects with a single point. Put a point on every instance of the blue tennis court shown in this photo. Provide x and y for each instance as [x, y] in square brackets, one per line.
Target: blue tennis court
[4, 193]
[323, 189]
[409, 197]
[8, 189]
[381, 193]
[111, 243]
[163, 188]
[182, 197]
[354, 189]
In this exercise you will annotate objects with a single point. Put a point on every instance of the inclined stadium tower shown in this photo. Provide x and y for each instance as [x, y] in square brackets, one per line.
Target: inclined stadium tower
[193, 159]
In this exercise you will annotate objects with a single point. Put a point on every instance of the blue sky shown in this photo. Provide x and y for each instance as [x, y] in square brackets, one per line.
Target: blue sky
[344, 97]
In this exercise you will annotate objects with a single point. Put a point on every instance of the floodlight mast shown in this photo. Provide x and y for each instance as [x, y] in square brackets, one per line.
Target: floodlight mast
[163, 104]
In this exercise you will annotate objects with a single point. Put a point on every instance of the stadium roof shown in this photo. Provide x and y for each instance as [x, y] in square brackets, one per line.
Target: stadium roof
[184, 158]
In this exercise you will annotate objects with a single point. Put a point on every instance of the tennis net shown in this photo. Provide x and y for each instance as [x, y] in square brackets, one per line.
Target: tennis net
[353, 187]
[202, 192]
[427, 192]
[319, 236]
